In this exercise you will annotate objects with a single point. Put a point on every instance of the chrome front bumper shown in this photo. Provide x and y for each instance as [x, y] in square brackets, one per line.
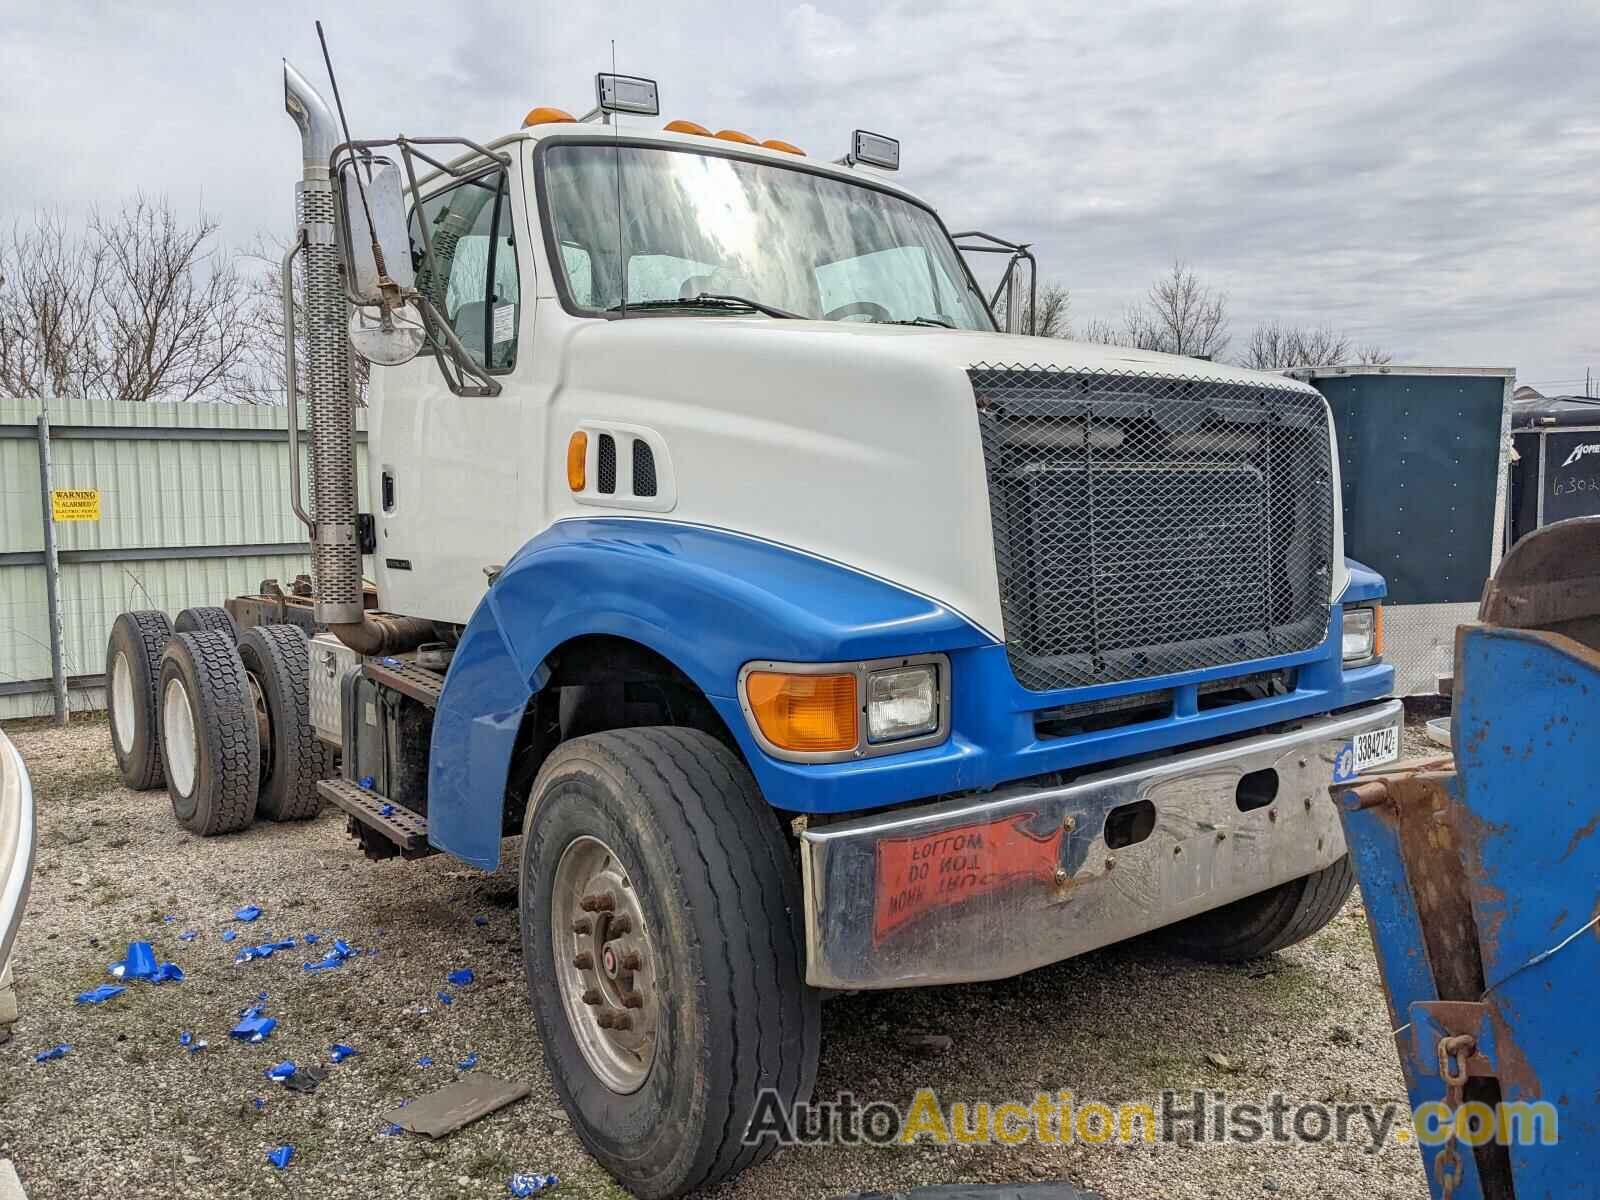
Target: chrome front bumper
[984, 888]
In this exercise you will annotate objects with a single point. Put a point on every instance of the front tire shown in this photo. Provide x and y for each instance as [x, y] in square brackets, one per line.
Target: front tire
[1268, 922]
[210, 746]
[665, 827]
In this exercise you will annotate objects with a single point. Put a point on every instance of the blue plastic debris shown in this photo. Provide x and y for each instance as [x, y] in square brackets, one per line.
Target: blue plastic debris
[229, 934]
[261, 1105]
[281, 1071]
[140, 962]
[391, 1130]
[366, 783]
[248, 913]
[470, 1061]
[445, 998]
[531, 1185]
[462, 977]
[100, 994]
[168, 973]
[191, 1043]
[311, 939]
[264, 950]
[281, 1156]
[53, 1053]
[188, 935]
[255, 1010]
[168, 919]
[480, 921]
[386, 810]
[338, 1052]
[390, 661]
[254, 1029]
[425, 1061]
[333, 957]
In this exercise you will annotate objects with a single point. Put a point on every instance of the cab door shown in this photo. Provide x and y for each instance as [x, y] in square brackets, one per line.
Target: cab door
[446, 469]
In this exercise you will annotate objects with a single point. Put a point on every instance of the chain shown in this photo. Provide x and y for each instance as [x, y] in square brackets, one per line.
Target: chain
[1453, 1054]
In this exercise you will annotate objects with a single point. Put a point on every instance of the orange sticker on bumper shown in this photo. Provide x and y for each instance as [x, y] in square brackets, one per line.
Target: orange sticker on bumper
[919, 874]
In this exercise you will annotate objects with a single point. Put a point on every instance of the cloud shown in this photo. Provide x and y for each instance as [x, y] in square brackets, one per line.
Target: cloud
[1420, 175]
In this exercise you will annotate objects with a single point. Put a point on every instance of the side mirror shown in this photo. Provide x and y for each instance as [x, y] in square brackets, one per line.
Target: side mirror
[386, 200]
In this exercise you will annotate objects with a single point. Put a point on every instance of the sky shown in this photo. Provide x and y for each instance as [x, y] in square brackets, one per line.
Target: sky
[1421, 176]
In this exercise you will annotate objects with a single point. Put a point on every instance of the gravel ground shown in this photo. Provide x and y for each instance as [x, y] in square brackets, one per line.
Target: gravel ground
[129, 1113]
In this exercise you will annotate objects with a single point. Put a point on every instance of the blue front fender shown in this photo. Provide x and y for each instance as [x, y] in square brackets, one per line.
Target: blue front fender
[706, 600]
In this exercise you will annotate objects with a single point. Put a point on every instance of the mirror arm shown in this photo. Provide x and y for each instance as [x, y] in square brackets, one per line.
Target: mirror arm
[437, 326]
[292, 385]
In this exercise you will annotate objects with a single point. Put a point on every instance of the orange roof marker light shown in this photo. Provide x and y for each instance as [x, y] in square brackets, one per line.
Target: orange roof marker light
[693, 127]
[545, 115]
[786, 147]
[733, 135]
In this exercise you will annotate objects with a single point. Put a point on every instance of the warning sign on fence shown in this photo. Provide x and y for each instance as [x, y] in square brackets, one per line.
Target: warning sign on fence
[75, 504]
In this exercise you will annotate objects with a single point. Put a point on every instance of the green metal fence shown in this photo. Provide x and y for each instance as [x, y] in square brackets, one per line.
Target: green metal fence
[193, 506]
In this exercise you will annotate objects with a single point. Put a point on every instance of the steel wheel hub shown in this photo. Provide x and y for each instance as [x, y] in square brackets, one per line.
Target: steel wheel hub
[178, 734]
[604, 964]
[122, 702]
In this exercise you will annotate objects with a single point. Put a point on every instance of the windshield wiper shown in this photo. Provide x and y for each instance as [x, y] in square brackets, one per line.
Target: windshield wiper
[711, 300]
[940, 322]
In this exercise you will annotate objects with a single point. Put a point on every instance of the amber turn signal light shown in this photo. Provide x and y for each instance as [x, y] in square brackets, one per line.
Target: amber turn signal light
[807, 714]
[578, 461]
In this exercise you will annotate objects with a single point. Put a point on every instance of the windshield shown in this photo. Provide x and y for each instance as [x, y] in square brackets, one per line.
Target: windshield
[657, 227]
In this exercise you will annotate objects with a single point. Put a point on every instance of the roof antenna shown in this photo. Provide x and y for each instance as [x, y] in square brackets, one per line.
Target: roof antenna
[384, 282]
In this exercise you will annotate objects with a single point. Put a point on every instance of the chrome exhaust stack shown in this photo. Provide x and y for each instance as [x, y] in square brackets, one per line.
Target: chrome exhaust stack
[335, 554]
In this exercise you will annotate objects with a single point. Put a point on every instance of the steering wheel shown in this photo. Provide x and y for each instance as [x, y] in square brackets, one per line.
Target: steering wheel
[859, 308]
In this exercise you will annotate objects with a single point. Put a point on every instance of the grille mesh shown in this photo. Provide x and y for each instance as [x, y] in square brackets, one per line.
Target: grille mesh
[1144, 527]
[644, 468]
[607, 464]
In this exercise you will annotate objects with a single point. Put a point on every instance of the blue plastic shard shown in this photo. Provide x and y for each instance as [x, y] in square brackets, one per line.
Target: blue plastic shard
[531, 1185]
[54, 1052]
[261, 1105]
[229, 934]
[100, 994]
[140, 962]
[281, 1156]
[255, 1010]
[391, 1130]
[168, 973]
[366, 783]
[386, 810]
[425, 1061]
[188, 935]
[480, 921]
[168, 919]
[281, 1071]
[254, 1029]
[332, 958]
[338, 1052]
[264, 950]
[470, 1061]
[311, 939]
[341, 948]
[191, 1043]
[462, 977]
[390, 661]
[261, 996]
[248, 913]
[445, 998]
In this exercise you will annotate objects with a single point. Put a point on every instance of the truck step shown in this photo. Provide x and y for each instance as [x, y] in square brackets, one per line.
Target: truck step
[400, 826]
[404, 676]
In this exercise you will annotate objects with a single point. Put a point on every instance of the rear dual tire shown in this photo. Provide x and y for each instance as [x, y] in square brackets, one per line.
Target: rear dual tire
[133, 664]
[210, 743]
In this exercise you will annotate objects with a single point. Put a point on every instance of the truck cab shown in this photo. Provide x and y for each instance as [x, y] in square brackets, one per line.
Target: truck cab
[813, 633]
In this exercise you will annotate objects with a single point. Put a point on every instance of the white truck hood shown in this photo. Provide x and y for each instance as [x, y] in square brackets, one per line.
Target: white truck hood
[852, 441]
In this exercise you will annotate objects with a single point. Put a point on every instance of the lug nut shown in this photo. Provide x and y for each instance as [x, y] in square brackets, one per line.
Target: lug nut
[598, 902]
[633, 1000]
[592, 996]
[631, 960]
[605, 1020]
[582, 925]
[583, 960]
[619, 925]
[621, 1022]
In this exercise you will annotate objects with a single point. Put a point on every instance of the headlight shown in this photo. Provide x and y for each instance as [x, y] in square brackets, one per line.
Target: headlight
[830, 712]
[902, 703]
[1363, 633]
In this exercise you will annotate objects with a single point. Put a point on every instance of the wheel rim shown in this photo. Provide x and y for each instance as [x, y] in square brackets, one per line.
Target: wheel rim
[122, 702]
[263, 712]
[604, 964]
[177, 736]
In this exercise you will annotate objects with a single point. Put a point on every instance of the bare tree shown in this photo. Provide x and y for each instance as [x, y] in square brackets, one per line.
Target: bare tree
[1373, 355]
[1275, 346]
[50, 286]
[1179, 315]
[262, 271]
[140, 305]
[1052, 316]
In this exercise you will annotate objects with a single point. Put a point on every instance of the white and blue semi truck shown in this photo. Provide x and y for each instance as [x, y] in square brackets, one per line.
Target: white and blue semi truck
[813, 633]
